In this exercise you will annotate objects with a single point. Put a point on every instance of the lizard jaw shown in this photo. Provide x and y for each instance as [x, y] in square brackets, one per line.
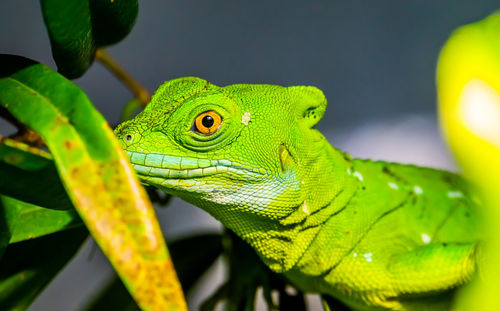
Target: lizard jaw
[167, 168]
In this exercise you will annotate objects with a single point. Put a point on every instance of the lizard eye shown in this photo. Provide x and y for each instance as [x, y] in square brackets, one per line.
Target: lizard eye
[207, 122]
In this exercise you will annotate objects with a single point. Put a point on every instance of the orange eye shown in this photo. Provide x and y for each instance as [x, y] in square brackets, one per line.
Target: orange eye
[207, 122]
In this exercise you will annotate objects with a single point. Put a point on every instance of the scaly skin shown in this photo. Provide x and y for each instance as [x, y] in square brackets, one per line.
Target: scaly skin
[376, 235]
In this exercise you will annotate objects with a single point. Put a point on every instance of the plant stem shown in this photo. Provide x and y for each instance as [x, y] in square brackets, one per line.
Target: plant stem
[137, 89]
[23, 134]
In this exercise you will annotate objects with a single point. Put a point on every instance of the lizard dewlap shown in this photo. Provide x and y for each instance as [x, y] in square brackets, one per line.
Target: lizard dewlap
[374, 235]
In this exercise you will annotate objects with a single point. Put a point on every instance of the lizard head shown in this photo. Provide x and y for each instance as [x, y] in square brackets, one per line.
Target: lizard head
[237, 148]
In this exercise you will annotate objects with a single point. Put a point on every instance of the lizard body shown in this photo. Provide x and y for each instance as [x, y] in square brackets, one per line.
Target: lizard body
[375, 235]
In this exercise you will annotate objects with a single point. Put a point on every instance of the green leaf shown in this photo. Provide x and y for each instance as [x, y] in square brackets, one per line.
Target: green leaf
[27, 267]
[35, 221]
[21, 221]
[78, 27]
[97, 176]
[8, 217]
[192, 256]
[37, 181]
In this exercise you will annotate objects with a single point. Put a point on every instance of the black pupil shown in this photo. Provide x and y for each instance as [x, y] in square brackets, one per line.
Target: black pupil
[207, 121]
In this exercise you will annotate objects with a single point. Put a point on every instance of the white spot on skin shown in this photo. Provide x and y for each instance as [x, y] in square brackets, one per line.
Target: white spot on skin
[455, 194]
[425, 238]
[304, 208]
[349, 171]
[355, 255]
[358, 175]
[418, 190]
[245, 118]
[393, 186]
[479, 109]
[368, 257]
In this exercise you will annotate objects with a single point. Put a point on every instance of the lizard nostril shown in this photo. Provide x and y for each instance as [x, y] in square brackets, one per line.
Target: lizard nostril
[128, 137]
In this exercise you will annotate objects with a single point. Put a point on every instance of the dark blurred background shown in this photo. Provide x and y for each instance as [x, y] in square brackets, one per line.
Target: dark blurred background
[375, 61]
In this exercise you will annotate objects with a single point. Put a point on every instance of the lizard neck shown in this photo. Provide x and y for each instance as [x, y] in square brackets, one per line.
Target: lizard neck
[325, 182]
[325, 176]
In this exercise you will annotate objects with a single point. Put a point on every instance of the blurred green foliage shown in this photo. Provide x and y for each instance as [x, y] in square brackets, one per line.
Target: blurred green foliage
[468, 81]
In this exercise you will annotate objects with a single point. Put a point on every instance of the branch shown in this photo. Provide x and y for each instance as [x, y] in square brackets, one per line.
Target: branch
[139, 91]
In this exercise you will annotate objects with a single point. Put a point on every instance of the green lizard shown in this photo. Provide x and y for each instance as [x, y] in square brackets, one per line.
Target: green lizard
[374, 235]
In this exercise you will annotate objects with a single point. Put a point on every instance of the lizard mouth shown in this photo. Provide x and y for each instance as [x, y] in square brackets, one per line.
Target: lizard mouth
[153, 165]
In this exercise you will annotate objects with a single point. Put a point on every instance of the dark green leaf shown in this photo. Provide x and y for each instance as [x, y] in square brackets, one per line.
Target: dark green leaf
[112, 20]
[159, 197]
[27, 267]
[332, 304]
[78, 27]
[69, 26]
[8, 217]
[289, 302]
[36, 177]
[193, 255]
[246, 273]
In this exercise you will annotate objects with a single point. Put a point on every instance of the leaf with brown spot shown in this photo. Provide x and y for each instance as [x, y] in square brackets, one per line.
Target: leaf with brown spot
[98, 178]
